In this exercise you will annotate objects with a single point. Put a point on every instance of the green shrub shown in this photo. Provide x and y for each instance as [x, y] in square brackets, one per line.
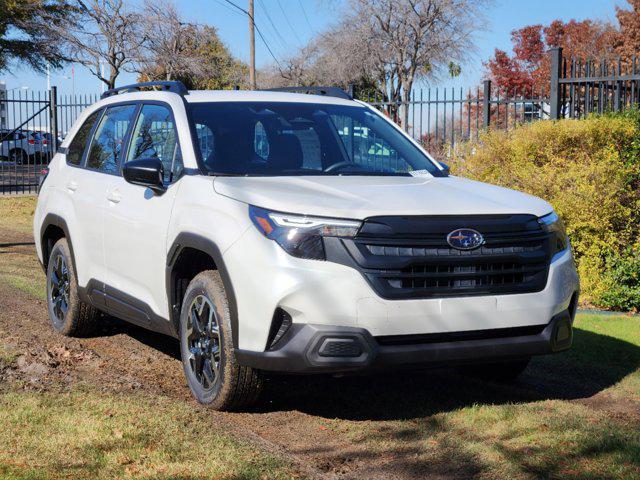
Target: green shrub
[622, 276]
[590, 172]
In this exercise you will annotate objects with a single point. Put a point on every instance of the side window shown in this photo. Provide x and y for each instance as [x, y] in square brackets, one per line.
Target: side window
[107, 141]
[79, 142]
[366, 148]
[155, 137]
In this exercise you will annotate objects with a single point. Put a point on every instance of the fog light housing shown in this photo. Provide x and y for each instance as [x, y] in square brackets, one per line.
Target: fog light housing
[340, 347]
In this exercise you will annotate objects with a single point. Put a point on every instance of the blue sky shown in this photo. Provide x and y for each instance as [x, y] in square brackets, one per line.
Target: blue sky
[287, 24]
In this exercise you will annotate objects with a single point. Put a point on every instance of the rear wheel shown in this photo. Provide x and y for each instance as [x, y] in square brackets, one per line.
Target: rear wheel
[206, 347]
[68, 314]
[500, 371]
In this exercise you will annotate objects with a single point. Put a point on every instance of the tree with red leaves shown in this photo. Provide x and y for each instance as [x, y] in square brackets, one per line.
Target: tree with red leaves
[527, 69]
[629, 38]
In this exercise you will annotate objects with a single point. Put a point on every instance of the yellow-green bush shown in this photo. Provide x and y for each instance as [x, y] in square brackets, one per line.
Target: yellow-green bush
[590, 172]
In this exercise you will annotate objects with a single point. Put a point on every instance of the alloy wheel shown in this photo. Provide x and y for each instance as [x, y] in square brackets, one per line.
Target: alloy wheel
[59, 288]
[203, 341]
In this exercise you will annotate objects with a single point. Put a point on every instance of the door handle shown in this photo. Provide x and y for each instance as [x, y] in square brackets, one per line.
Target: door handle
[72, 186]
[114, 196]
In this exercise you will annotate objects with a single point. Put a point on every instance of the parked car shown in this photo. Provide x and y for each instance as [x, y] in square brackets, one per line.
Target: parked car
[264, 236]
[26, 146]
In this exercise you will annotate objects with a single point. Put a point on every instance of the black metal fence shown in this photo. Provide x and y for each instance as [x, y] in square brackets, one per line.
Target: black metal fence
[33, 123]
[440, 117]
[580, 87]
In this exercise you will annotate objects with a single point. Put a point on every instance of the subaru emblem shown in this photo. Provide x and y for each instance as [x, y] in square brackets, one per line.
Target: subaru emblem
[465, 239]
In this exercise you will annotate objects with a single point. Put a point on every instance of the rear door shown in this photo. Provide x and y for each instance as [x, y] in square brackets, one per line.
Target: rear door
[85, 216]
[136, 221]
[87, 186]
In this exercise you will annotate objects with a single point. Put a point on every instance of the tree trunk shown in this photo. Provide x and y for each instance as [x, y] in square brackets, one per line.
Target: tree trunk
[406, 98]
[407, 86]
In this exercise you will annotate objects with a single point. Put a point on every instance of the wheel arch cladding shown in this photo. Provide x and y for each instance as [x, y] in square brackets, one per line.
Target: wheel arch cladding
[53, 229]
[189, 255]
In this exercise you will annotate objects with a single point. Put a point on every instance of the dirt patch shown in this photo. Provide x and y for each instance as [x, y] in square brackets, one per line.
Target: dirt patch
[622, 408]
[122, 358]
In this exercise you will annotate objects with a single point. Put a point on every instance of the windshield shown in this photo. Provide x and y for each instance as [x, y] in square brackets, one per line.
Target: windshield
[275, 139]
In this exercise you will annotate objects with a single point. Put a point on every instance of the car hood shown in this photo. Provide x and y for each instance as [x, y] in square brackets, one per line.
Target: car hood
[362, 197]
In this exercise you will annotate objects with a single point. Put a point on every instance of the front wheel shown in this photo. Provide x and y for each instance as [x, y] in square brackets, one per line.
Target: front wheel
[206, 346]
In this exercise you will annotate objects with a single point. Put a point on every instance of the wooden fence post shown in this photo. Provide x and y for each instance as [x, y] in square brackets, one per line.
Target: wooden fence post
[486, 104]
[554, 90]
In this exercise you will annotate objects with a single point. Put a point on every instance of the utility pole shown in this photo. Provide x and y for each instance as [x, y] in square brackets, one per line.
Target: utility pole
[252, 48]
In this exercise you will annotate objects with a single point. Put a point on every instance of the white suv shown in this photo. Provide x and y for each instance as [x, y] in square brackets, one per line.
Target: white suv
[293, 232]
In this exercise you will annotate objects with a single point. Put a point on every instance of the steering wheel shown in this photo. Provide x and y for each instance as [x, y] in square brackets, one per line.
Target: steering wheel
[340, 165]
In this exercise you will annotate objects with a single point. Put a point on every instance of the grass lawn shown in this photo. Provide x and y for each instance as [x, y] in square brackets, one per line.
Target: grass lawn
[498, 431]
[574, 415]
[19, 266]
[16, 213]
[89, 435]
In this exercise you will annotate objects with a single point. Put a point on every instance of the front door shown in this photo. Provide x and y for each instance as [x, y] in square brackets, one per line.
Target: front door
[136, 222]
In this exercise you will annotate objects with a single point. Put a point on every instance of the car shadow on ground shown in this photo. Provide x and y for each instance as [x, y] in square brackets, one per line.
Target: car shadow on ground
[111, 326]
[595, 363]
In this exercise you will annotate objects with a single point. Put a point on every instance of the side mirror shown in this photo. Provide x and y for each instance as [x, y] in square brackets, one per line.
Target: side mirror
[146, 172]
[445, 168]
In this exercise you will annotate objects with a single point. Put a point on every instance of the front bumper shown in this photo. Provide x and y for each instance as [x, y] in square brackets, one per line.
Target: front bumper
[327, 294]
[326, 349]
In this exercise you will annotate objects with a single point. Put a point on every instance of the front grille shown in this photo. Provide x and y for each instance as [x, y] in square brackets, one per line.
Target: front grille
[410, 257]
[465, 275]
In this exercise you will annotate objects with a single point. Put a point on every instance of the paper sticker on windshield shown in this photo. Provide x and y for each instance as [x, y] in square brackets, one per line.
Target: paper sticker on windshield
[419, 173]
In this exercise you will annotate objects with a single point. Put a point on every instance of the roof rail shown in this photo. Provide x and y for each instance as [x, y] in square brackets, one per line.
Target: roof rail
[170, 86]
[326, 91]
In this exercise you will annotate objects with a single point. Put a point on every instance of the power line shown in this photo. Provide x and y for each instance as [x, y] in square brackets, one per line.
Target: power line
[279, 36]
[304, 12]
[257, 30]
[289, 23]
[227, 7]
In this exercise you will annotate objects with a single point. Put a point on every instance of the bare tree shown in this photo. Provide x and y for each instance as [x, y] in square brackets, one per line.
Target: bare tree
[393, 42]
[419, 37]
[102, 32]
[338, 56]
[174, 49]
[167, 40]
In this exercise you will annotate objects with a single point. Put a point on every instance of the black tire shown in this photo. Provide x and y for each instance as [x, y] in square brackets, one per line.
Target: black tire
[506, 371]
[213, 374]
[18, 156]
[68, 314]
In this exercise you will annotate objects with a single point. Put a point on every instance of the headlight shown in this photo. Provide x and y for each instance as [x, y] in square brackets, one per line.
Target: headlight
[551, 223]
[299, 235]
